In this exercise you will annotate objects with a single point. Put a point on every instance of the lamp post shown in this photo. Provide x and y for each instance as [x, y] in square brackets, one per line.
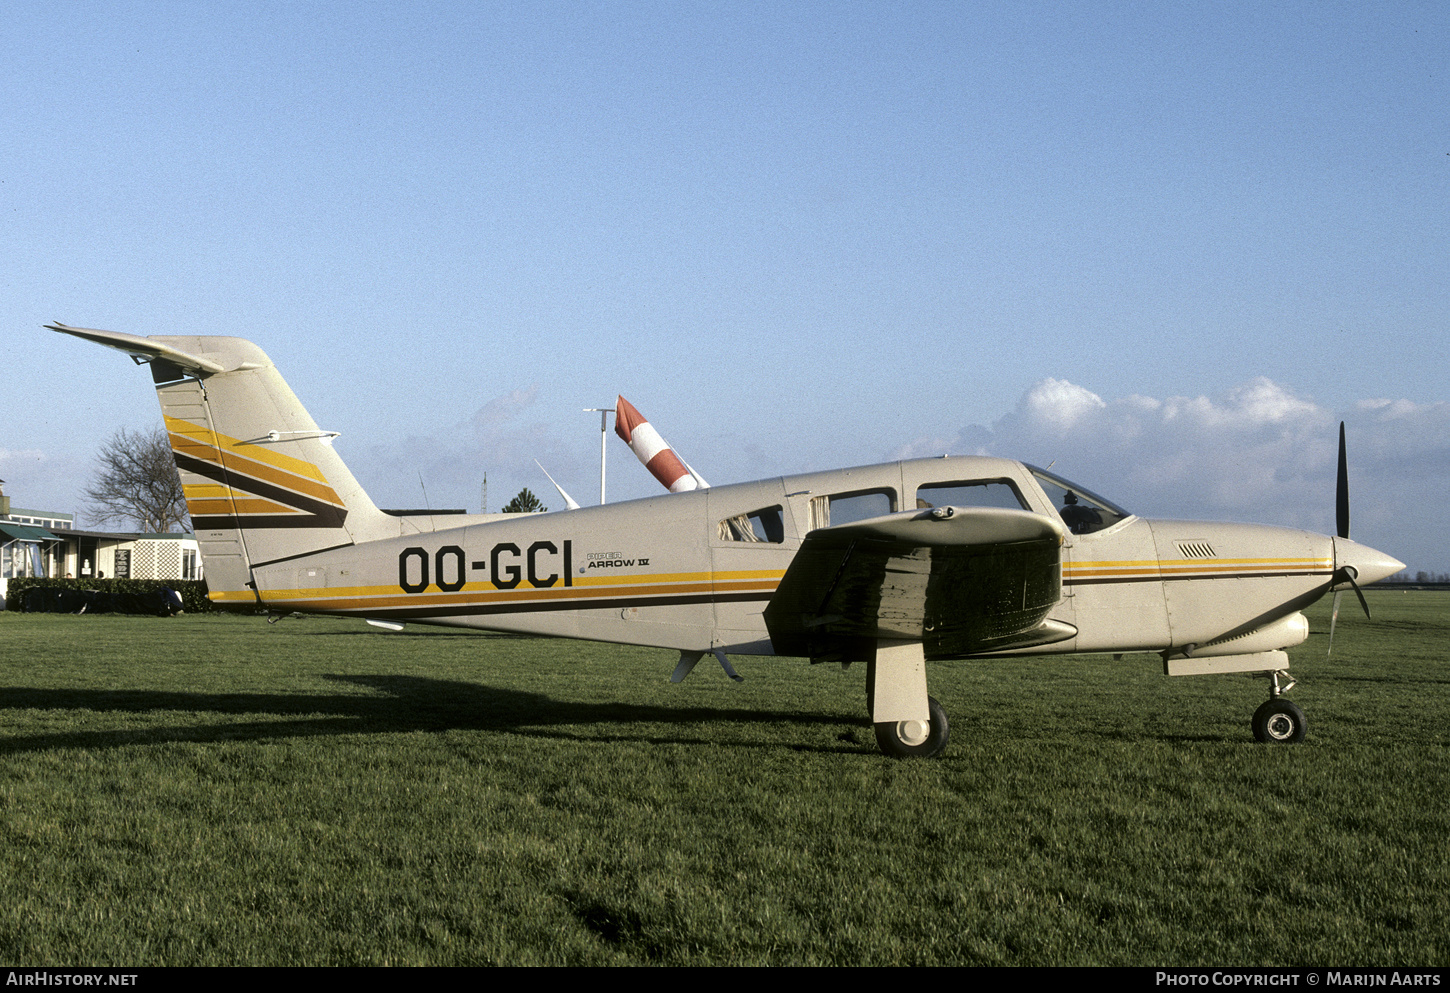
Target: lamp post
[604, 413]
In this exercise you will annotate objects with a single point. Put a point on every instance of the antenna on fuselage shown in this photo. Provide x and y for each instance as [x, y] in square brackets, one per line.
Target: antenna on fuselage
[426, 505]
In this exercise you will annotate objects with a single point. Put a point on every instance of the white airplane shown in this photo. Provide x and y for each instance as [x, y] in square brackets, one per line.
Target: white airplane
[893, 565]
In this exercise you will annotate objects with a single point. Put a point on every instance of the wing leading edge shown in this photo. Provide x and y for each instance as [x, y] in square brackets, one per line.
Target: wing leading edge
[963, 581]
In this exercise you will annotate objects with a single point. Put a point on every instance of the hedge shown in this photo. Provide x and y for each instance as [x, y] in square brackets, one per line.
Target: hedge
[193, 591]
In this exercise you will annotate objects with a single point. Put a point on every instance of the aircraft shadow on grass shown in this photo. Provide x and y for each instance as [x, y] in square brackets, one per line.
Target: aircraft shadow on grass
[402, 704]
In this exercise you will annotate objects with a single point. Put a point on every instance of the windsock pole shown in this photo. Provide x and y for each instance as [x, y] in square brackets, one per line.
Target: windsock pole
[653, 450]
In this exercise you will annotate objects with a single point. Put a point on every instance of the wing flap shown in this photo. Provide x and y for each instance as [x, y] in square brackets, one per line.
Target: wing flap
[963, 581]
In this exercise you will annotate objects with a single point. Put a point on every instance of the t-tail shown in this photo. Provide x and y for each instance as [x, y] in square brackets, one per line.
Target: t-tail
[262, 481]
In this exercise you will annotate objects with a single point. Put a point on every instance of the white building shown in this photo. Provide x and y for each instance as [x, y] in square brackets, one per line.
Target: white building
[47, 543]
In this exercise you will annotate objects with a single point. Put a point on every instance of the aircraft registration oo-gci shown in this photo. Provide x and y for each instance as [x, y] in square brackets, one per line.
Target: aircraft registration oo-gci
[892, 565]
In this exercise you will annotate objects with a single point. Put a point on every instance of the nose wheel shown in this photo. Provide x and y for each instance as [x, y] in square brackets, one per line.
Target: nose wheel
[1278, 719]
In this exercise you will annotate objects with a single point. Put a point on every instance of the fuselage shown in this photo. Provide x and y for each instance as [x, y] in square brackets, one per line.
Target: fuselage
[694, 571]
[893, 565]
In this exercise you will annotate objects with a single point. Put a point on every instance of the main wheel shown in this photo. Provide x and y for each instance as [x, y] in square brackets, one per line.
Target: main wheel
[918, 739]
[1279, 720]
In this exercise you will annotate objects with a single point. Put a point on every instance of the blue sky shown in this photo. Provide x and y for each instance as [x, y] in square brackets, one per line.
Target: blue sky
[1168, 246]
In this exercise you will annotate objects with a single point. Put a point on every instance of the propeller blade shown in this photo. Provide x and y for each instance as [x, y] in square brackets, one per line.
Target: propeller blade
[1345, 575]
[1341, 520]
[1349, 574]
[1341, 490]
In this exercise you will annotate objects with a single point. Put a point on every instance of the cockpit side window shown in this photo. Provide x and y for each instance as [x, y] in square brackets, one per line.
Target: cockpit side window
[765, 525]
[1083, 511]
[847, 508]
[972, 493]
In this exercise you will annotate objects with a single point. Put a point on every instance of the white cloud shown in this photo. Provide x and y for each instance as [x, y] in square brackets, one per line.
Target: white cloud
[1259, 453]
[496, 439]
[1058, 405]
[18, 459]
[500, 410]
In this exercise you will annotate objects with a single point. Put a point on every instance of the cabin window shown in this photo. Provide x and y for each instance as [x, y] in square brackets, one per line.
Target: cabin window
[1083, 511]
[847, 508]
[975, 493]
[764, 526]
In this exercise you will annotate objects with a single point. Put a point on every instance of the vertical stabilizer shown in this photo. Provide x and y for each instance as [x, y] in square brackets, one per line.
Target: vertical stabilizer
[261, 479]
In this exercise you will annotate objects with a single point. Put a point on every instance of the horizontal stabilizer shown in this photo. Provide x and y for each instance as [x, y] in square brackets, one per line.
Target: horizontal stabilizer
[143, 349]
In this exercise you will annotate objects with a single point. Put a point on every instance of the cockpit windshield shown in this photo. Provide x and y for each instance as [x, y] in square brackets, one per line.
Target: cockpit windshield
[1083, 511]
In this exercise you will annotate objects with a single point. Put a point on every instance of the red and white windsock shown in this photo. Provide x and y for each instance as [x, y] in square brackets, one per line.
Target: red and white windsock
[647, 445]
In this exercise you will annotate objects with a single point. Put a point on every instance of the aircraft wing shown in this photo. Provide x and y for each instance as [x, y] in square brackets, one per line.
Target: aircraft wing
[965, 581]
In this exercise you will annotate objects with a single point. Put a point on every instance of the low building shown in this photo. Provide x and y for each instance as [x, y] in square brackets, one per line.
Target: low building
[47, 543]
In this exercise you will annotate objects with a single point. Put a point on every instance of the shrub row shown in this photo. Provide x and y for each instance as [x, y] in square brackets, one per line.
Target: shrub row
[193, 591]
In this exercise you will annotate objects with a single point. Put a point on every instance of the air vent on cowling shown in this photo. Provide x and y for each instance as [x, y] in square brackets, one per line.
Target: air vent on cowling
[1196, 550]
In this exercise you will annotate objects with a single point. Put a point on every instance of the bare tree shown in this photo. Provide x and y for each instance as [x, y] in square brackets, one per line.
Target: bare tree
[137, 483]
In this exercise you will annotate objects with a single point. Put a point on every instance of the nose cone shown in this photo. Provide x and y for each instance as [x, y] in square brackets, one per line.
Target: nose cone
[1369, 566]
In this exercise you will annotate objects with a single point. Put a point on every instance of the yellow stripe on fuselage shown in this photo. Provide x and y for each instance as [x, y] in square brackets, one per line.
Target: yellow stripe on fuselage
[1174, 568]
[486, 593]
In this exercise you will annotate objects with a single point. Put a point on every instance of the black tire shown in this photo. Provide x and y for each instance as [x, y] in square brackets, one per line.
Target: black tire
[907, 739]
[1281, 721]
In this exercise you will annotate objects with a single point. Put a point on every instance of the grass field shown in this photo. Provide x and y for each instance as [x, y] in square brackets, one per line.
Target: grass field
[215, 790]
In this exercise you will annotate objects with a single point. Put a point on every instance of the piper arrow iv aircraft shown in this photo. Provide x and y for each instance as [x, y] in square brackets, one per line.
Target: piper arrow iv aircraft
[893, 565]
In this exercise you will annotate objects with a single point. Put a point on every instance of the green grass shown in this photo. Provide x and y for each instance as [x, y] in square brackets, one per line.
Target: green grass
[215, 790]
